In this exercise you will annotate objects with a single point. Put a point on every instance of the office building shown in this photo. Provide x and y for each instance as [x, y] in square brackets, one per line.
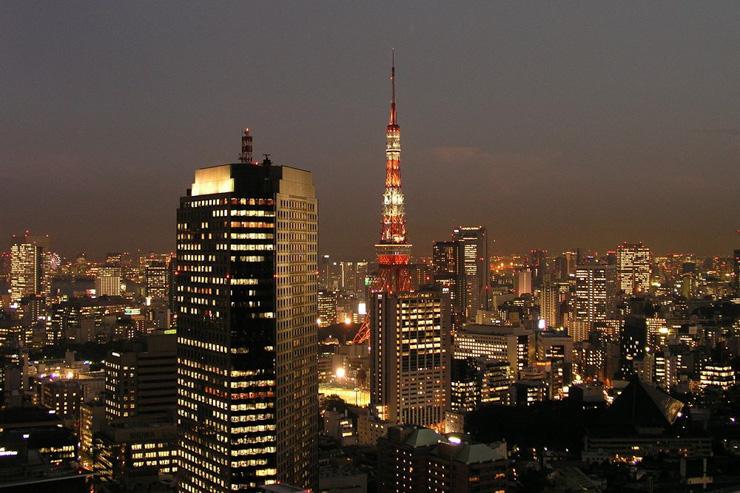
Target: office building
[722, 376]
[141, 381]
[538, 266]
[464, 389]
[633, 268]
[550, 303]
[413, 459]
[477, 381]
[591, 294]
[632, 344]
[445, 275]
[246, 302]
[410, 357]
[26, 269]
[473, 268]
[514, 345]
[556, 349]
[156, 276]
[135, 454]
[63, 395]
[523, 282]
[327, 303]
[528, 392]
[92, 420]
[108, 281]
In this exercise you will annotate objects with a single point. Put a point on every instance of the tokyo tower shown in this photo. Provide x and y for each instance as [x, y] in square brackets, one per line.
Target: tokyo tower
[393, 251]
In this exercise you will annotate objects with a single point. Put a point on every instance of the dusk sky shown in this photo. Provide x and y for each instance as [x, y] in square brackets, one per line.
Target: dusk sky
[556, 125]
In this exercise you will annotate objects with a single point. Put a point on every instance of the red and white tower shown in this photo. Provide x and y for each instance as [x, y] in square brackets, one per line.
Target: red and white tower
[393, 251]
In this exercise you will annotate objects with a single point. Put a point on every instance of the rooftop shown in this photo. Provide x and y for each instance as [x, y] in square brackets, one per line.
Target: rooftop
[640, 406]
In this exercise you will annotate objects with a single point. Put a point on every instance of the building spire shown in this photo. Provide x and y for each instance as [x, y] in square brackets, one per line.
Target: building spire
[393, 118]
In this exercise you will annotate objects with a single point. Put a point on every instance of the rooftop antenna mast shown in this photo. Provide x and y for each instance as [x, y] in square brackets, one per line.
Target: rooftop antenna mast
[246, 155]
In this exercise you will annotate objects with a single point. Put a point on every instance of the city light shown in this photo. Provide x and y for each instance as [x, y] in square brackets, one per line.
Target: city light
[210, 317]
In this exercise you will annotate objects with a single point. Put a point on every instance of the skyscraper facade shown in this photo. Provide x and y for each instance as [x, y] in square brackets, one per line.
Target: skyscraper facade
[26, 268]
[633, 268]
[155, 277]
[523, 282]
[550, 303]
[108, 281]
[246, 300]
[473, 268]
[445, 275]
[591, 294]
[410, 352]
[140, 381]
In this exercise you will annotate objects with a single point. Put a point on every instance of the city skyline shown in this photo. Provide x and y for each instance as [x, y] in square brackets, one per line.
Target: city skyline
[252, 354]
[613, 150]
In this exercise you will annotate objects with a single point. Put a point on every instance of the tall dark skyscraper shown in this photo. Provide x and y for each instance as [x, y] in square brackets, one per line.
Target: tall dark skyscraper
[445, 275]
[633, 342]
[473, 268]
[245, 293]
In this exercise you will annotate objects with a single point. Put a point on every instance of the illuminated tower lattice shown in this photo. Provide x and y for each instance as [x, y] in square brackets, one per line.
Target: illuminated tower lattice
[392, 250]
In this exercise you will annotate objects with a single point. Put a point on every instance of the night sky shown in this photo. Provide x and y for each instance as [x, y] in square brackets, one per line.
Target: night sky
[556, 125]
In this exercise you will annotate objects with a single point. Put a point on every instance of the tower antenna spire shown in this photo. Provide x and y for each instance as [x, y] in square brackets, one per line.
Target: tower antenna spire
[393, 119]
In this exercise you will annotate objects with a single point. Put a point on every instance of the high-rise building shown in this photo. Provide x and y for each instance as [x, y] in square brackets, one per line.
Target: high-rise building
[445, 275]
[473, 268]
[514, 345]
[523, 282]
[567, 263]
[538, 265]
[550, 303]
[246, 302]
[556, 348]
[324, 266]
[327, 302]
[26, 269]
[108, 281]
[155, 278]
[478, 381]
[409, 350]
[632, 344]
[591, 294]
[444, 257]
[464, 388]
[141, 381]
[633, 268]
